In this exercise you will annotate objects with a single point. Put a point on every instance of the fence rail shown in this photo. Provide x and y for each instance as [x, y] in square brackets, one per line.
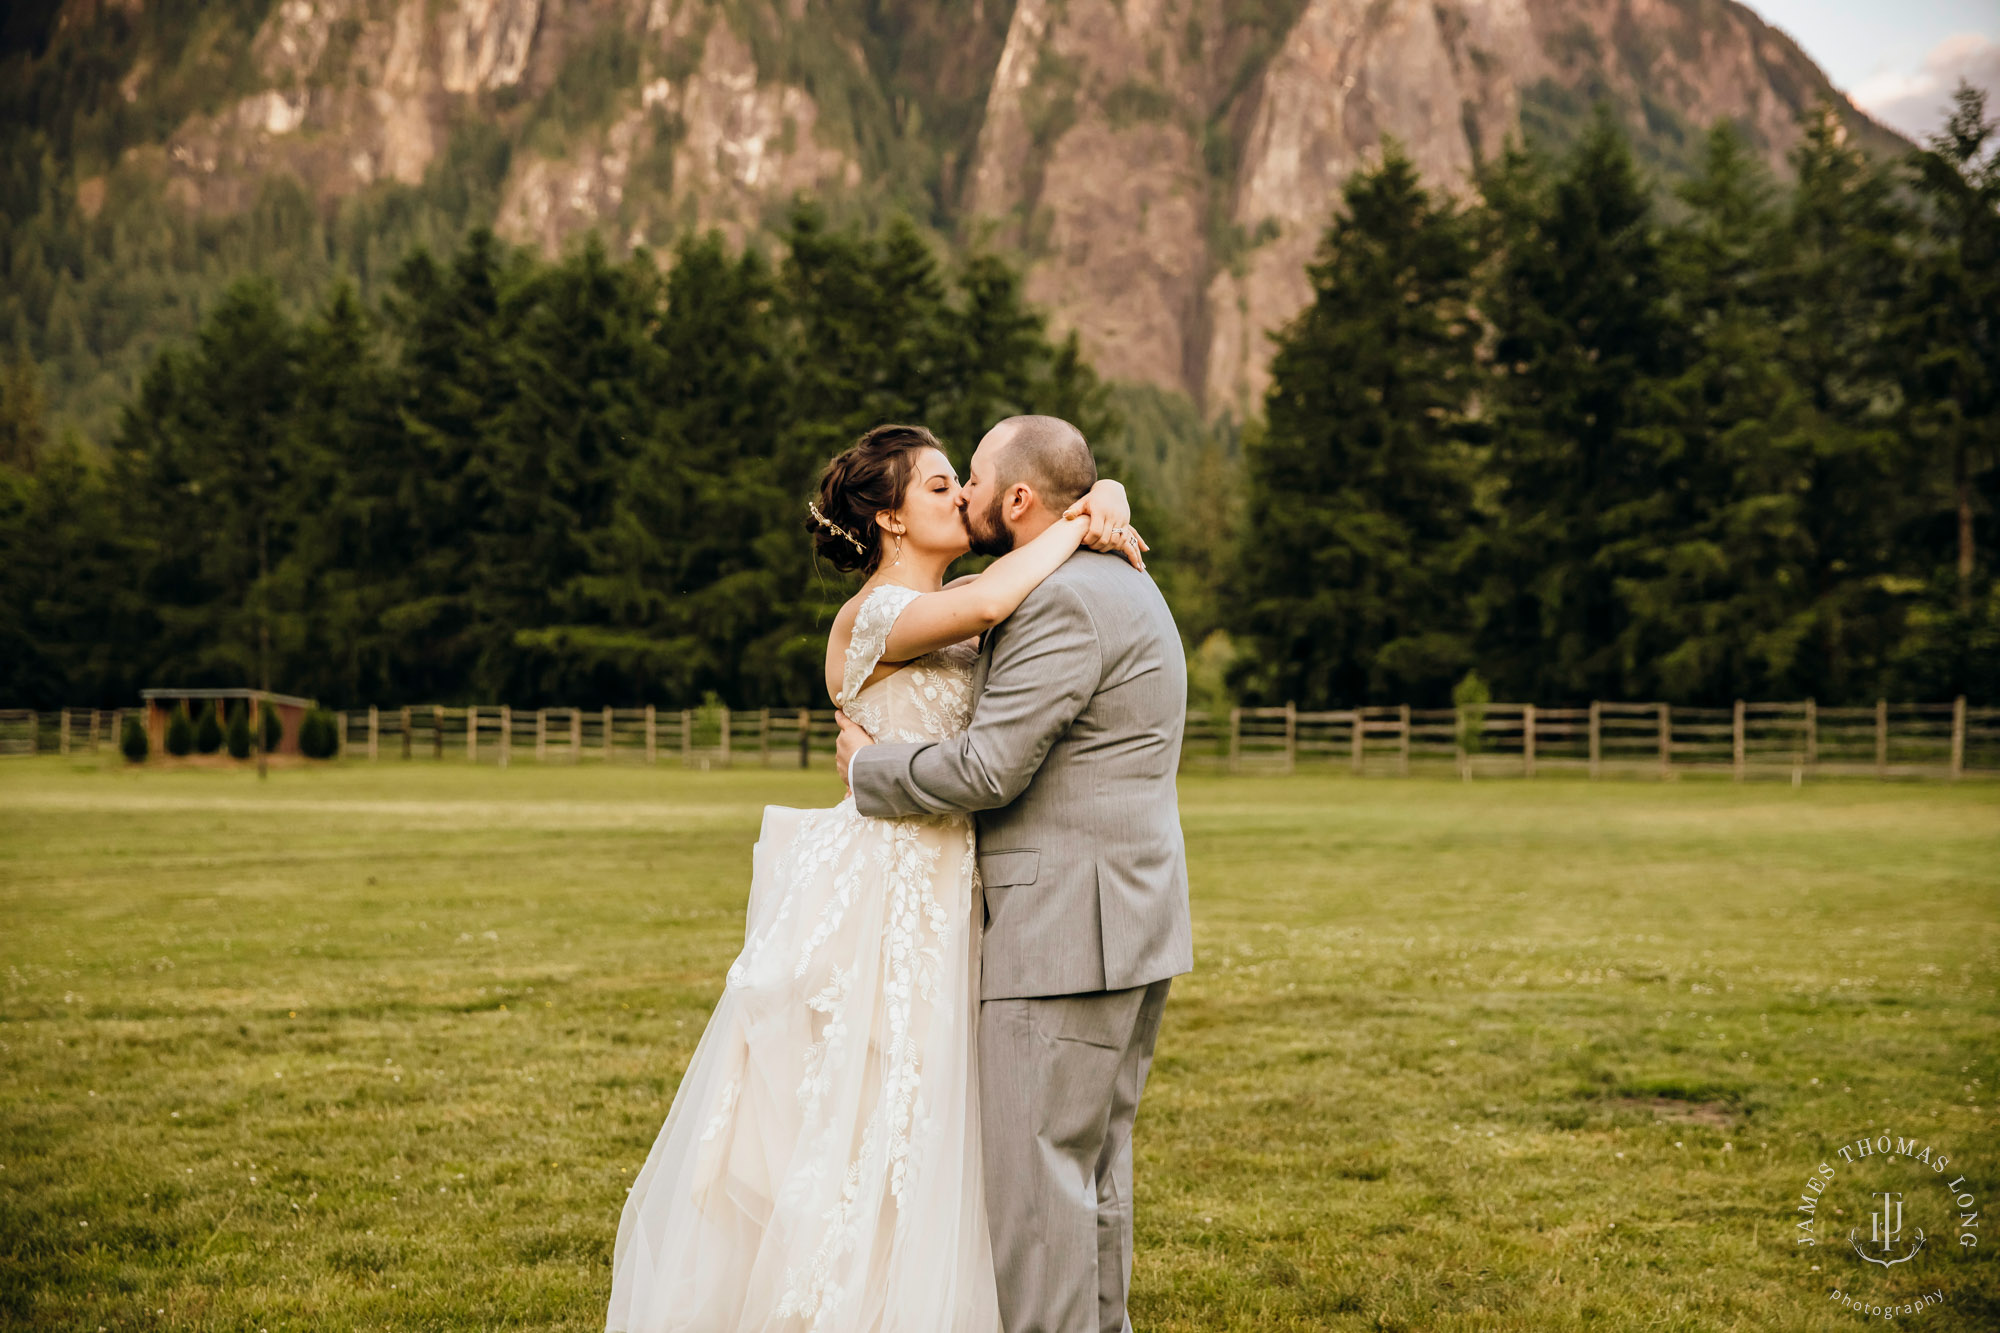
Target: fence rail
[1795, 740]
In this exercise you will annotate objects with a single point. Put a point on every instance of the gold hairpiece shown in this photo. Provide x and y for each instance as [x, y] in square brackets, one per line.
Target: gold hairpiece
[826, 522]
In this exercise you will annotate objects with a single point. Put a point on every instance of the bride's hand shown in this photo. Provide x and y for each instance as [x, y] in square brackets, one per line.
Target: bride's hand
[1109, 516]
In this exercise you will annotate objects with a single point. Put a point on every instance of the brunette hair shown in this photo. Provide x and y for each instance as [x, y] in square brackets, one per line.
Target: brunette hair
[868, 478]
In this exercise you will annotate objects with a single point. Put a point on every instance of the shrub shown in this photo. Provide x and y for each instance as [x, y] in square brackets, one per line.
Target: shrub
[132, 740]
[1470, 696]
[208, 730]
[317, 738]
[180, 731]
[274, 727]
[239, 731]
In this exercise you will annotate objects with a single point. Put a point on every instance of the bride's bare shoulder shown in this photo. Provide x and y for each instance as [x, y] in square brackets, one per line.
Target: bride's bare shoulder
[843, 619]
[841, 632]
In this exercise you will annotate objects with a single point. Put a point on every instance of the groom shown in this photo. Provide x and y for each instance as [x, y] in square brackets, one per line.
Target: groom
[1069, 762]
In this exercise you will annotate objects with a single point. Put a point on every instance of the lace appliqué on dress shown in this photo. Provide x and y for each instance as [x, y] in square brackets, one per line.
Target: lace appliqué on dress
[933, 697]
[834, 1101]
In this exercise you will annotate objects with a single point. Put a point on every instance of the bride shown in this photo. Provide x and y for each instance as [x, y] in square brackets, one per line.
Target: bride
[820, 1166]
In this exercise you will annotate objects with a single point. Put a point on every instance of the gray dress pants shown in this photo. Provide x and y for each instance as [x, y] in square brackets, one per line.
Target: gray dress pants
[1060, 1078]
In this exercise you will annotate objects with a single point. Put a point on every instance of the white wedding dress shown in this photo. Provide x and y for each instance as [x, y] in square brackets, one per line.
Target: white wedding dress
[820, 1167]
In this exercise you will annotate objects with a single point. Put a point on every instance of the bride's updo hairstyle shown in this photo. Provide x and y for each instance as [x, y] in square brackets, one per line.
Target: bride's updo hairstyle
[866, 480]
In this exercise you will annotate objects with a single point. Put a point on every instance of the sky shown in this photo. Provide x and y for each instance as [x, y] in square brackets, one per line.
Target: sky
[1897, 59]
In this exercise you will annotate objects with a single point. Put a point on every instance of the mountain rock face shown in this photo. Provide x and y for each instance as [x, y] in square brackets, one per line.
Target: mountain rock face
[1163, 168]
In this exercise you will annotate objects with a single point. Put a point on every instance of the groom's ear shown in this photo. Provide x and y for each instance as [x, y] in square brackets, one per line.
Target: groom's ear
[1021, 498]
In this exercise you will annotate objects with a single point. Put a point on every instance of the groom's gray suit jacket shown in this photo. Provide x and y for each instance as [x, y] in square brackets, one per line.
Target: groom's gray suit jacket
[1069, 762]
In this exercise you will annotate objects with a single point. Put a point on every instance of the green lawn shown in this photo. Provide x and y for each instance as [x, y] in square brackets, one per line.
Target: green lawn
[379, 1047]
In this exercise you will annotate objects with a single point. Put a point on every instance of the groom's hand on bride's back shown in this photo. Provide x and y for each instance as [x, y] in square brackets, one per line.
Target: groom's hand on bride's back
[852, 738]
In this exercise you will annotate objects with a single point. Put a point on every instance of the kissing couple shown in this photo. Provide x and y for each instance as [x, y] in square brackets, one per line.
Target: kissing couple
[911, 1110]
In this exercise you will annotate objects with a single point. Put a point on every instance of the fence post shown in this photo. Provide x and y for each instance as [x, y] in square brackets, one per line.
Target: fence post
[763, 738]
[1881, 738]
[687, 738]
[1235, 739]
[62, 732]
[1403, 754]
[472, 733]
[374, 732]
[1527, 740]
[506, 734]
[608, 727]
[1291, 736]
[725, 735]
[1736, 762]
[1812, 734]
[575, 734]
[407, 742]
[1358, 741]
[652, 736]
[805, 737]
[1958, 738]
[1596, 739]
[437, 731]
[1666, 742]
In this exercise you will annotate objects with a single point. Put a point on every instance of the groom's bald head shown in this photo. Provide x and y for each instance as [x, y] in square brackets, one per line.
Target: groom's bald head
[1024, 473]
[1046, 454]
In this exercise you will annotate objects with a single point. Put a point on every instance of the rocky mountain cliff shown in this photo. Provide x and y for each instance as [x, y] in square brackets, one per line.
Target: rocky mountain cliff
[1163, 168]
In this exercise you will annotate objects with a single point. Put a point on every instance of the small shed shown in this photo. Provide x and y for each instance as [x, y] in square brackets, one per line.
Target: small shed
[290, 708]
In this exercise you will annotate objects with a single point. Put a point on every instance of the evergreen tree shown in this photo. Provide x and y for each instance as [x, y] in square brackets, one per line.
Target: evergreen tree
[1840, 279]
[1721, 548]
[237, 735]
[454, 381]
[180, 732]
[1360, 512]
[1576, 298]
[318, 738]
[208, 730]
[582, 411]
[1951, 322]
[357, 518]
[212, 431]
[66, 624]
[132, 742]
[23, 428]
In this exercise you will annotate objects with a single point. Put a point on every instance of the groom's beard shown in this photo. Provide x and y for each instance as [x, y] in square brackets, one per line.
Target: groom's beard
[988, 533]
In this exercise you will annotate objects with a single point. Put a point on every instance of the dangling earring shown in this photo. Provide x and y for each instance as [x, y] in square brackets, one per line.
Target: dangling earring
[899, 551]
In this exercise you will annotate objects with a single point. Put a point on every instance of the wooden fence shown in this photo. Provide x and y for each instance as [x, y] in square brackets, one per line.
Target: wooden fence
[1795, 740]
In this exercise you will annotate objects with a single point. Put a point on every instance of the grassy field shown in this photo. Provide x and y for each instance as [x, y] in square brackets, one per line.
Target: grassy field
[380, 1047]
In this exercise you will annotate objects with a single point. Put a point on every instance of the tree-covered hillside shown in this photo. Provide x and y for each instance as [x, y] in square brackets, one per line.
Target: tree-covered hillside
[151, 154]
[568, 482]
[1592, 449]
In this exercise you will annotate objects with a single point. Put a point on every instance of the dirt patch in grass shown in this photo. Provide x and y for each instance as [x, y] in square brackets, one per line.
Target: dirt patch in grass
[1717, 1115]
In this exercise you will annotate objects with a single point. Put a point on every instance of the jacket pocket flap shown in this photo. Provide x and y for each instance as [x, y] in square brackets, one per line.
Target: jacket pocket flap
[1000, 869]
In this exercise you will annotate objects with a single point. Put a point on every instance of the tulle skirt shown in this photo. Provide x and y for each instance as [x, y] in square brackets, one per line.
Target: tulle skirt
[820, 1168]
